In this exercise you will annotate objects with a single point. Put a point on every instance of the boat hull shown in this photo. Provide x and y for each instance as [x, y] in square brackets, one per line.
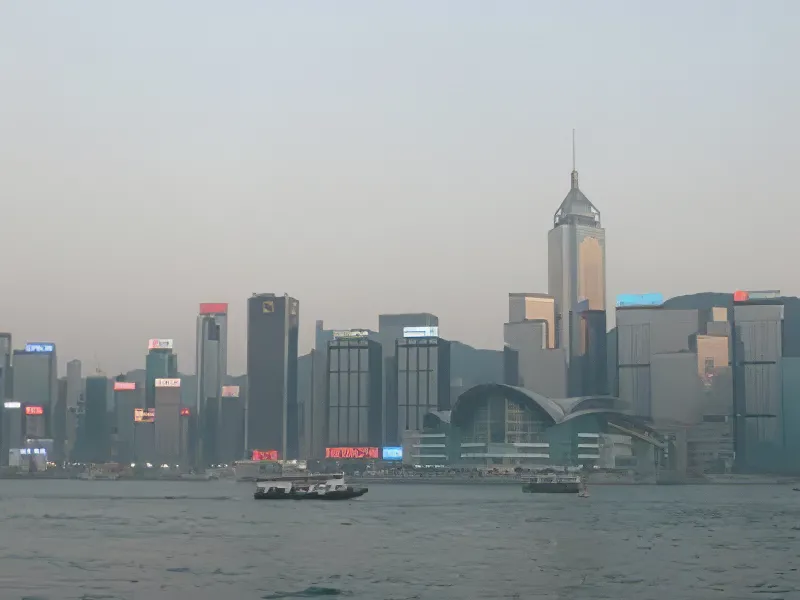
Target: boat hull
[551, 488]
[334, 495]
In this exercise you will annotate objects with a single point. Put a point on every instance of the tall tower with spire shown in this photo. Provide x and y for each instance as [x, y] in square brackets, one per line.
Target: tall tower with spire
[576, 262]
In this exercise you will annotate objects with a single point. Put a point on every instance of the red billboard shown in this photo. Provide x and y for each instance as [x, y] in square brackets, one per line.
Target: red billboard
[185, 412]
[352, 452]
[265, 455]
[124, 386]
[213, 308]
[34, 410]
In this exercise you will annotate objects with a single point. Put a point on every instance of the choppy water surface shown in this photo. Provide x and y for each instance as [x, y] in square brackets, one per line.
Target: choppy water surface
[93, 540]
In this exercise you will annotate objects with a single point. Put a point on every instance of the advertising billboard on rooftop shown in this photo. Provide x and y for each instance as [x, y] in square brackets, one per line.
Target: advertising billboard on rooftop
[351, 334]
[628, 300]
[352, 452]
[420, 332]
[158, 344]
[124, 386]
[214, 308]
[40, 347]
[168, 383]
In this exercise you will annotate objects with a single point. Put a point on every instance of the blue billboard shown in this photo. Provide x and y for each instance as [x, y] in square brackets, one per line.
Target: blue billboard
[624, 300]
[392, 453]
[40, 347]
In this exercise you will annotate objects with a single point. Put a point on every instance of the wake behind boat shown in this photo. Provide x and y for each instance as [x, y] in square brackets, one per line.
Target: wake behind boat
[306, 487]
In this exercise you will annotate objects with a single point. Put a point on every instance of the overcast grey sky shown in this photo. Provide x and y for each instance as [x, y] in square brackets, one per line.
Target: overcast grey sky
[373, 157]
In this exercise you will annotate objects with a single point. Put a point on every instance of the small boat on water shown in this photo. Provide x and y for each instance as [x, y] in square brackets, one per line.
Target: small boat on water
[307, 487]
[553, 484]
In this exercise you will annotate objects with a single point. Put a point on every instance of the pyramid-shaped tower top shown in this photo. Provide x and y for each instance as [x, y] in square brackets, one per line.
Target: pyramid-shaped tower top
[576, 208]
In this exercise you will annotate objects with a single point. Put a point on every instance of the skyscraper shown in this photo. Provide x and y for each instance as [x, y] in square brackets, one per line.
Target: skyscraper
[161, 363]
[576, 261]
[212, 366]
[74, 404]
[36, 384]
[272, 419]
[96, 443]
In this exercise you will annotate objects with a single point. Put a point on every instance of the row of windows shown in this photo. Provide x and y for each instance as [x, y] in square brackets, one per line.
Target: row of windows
[417, 358]
[348, 389]
[348, 426]
[349, 359]
[418, 388]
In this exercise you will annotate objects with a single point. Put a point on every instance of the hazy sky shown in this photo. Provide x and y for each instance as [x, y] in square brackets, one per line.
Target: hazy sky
[371, 157]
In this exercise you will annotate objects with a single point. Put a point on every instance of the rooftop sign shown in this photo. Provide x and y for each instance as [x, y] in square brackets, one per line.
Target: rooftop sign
[626, 300]
[420, 332]
[351, 334]
[157, 344]
[40, 347]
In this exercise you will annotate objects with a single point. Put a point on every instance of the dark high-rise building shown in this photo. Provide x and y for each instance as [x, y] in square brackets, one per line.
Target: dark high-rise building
[757, 360]
[161, 363]
[588, 365]
[390, 330]
[354, 390]
[272, 415]
[230, 431]
[212, 366]
[423, 384]
[168, 430]
[576, 260]
[95, 445]
[5, 366]
[36, 385]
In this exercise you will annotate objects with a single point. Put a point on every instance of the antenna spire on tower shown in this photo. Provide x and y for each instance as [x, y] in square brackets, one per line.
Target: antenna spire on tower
[574, 175]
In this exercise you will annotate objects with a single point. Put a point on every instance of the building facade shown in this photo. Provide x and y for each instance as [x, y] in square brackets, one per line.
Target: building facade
[354, 391]
[95, 443]
[272, 411]
[161, 363]
[36, 384]
[422, 379]
[576, 261]
[211, 370]
[168, 443]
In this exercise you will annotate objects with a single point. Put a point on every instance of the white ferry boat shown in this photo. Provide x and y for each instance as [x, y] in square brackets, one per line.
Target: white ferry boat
[307, 487]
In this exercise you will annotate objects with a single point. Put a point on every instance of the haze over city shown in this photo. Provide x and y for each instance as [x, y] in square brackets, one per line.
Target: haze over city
[374, 159]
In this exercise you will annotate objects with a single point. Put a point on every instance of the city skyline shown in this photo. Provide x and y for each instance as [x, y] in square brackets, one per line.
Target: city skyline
[135, 198]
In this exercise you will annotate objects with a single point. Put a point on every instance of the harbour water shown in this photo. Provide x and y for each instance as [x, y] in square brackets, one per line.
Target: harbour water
[129, 540]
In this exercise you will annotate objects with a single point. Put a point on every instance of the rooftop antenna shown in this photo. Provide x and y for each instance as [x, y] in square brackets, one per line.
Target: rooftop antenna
[574, 175]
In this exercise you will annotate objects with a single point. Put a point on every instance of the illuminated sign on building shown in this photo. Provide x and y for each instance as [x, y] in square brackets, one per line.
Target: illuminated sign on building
[745, 296]
[185, 412]
[124, 386]
[627, 300]
[214, 308]
[265, 455]
[12, 405]
[420, 332]
[352, 452]
[144, 415]
[40, 347]
[392, 453]
[350, 335]
[156, 344]
[27, 451]
[33, 411]
[230, 391]
[168, 383]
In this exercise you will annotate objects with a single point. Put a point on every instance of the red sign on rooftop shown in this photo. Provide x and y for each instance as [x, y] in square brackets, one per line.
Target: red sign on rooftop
[214, 308]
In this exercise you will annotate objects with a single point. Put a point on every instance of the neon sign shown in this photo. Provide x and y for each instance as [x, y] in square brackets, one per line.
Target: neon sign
[185, 412]
[392, 453]
[352, 452]
[124, 386]
[144, 415]
[265, 455]
[40, 347]
[34, 410]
